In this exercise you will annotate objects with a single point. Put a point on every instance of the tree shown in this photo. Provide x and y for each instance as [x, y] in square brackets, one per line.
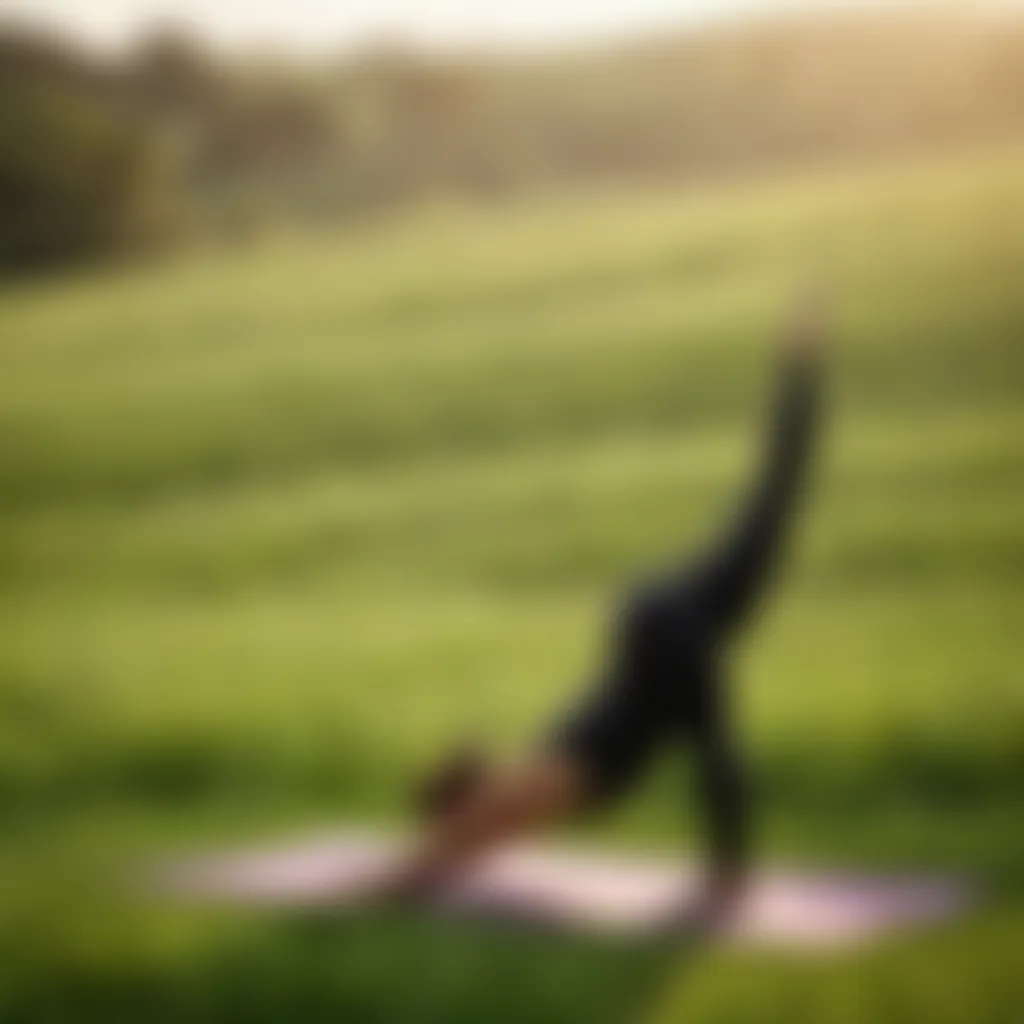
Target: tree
[80, 176]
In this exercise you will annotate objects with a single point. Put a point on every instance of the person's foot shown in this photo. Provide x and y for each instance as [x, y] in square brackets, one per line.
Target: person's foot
[719, 902]
[805, 333]
[713, 908]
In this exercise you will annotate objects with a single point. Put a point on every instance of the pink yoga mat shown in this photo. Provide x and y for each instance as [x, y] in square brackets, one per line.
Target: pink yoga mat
[578, 891]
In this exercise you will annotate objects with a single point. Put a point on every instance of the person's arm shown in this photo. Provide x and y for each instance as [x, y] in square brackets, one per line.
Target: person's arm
[506, 806]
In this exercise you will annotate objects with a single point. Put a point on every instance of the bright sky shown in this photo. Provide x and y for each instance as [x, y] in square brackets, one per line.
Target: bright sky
[325, 24]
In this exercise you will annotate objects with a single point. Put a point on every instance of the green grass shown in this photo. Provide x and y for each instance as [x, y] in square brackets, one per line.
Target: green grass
[277, 524]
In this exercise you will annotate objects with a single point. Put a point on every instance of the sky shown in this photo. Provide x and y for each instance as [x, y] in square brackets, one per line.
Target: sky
[317, 25]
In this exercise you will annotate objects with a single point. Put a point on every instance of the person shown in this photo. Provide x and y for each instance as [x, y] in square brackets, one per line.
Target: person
[664, 683]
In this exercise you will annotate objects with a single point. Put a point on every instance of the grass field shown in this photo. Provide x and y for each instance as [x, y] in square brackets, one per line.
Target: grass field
[277, 524]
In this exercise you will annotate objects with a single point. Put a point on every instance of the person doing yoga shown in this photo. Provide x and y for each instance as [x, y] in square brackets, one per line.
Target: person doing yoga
[664, 684]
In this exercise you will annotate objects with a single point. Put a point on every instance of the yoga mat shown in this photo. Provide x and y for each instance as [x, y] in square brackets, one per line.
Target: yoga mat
[568, 889]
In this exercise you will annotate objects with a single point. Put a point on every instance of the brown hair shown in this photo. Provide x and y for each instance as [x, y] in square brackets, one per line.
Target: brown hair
[451, 782]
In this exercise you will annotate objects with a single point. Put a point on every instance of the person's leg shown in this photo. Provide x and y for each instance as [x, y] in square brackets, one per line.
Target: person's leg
[722, 796]
[732, 578]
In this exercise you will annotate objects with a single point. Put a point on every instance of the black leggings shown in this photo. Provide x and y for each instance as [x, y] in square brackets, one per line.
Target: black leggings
[663, 681]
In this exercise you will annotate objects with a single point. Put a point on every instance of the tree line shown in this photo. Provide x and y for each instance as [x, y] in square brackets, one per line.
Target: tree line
[103, 155]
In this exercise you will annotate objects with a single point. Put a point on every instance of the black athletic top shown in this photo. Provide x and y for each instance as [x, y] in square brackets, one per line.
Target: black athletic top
[663, 681]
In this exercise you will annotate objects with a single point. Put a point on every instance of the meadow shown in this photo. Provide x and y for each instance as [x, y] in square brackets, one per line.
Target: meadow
[278, 524]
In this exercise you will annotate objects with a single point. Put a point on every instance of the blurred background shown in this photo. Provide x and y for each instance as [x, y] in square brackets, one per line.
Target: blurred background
[353, 356]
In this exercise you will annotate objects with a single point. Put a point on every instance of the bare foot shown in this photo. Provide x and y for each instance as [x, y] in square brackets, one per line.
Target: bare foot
[806, 334]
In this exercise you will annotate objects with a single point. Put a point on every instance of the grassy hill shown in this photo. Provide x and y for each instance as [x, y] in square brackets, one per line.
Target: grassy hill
[276, 525]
